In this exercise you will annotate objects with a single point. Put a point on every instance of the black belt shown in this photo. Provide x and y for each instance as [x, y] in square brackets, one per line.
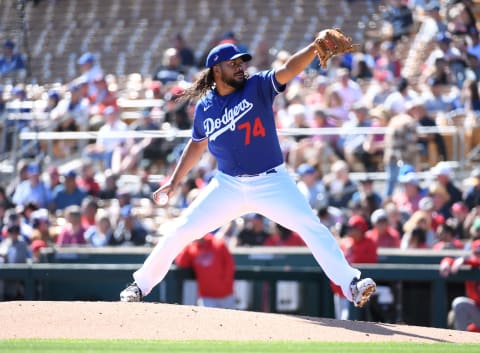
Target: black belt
[270, 171]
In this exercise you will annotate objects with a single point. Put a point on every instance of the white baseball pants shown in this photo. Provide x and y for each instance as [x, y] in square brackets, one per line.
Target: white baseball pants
[275, 196]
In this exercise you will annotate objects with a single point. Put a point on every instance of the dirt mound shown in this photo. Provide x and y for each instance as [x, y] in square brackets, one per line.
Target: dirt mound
[114, 320]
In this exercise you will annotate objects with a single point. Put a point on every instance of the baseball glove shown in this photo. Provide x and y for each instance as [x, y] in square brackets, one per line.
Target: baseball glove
[331, 42]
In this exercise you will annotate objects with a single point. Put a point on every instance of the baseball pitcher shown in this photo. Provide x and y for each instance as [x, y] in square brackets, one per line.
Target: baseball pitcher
[234, 119]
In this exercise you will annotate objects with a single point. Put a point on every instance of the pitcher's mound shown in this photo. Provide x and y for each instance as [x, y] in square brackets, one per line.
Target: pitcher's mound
[114, 320]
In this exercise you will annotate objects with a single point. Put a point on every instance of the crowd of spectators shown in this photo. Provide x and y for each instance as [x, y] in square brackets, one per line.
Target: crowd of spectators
[344, 96]
[93, 203]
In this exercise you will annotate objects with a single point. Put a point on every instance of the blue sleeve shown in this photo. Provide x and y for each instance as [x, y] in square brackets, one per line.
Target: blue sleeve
[198, 131]
[268, 84]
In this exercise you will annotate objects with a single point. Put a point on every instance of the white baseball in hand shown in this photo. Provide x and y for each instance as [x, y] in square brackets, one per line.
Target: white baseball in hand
[161, 198]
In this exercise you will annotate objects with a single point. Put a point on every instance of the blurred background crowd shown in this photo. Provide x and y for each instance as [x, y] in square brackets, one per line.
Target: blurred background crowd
[383, 143]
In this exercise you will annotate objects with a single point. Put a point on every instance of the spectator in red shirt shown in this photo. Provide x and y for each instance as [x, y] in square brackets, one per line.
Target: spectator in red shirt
[357, 249]
[466, 309]
[356, 246]
[446, 238]
[86, 179]
[387, 60]
[103, 97]
[214, 269]
[384, 235]
[89, 210]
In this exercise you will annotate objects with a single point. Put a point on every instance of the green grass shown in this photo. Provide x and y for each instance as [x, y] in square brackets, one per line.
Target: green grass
[140, 346]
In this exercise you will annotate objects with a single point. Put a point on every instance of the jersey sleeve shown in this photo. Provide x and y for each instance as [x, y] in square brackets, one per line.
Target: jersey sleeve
[269, 85]
[473, 261]
[198, 131]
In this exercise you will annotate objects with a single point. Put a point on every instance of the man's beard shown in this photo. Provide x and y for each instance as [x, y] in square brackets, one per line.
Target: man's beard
[235, 83]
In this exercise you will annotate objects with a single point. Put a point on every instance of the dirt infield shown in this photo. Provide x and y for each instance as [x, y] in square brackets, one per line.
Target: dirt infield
[109, 320]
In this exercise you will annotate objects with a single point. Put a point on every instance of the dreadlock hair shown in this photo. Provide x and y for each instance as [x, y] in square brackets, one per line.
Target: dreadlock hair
[200, 87]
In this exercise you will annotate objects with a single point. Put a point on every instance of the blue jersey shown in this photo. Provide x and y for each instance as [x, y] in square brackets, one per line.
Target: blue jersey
[240, 126]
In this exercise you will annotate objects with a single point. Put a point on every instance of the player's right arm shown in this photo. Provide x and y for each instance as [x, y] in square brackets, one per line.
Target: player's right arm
[190, 156]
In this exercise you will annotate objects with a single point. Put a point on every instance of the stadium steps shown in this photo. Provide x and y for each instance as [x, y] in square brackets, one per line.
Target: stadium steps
[66, 34]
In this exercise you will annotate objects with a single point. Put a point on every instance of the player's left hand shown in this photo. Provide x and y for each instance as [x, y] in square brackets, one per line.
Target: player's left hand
[331, 42]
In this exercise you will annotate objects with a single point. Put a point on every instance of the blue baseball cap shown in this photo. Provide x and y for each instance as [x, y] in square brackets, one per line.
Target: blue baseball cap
[409, 178]
[33, 169]
[86, 58]
[9, 44]
[53, 94]
[225, 52]
[70, 174]
[443, 37]
[304, 169]
[405, 169]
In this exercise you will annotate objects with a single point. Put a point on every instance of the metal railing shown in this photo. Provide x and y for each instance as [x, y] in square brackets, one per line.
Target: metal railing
[458, 147]
[41, 126]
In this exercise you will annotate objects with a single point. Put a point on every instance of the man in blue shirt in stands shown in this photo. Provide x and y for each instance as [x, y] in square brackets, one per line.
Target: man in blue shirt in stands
[10, 60]
[68, 193]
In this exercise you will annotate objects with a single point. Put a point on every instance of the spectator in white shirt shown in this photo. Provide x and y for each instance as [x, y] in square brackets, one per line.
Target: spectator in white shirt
[349, 91]
[395, 103]
[105, 144]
